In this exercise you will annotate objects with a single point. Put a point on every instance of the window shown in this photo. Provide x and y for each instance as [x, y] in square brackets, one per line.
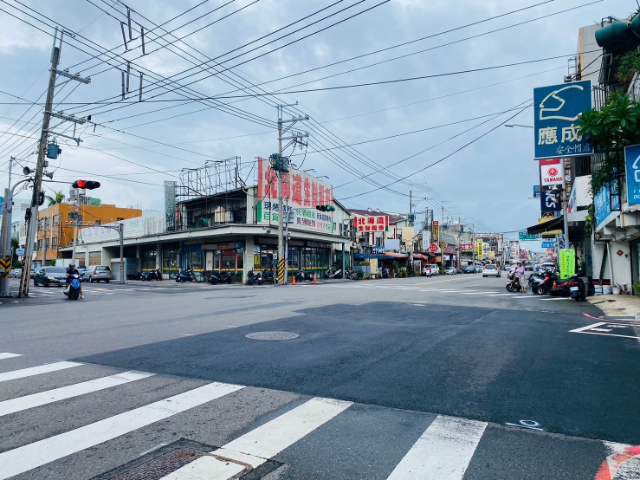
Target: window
[55, 220]
[169, 260]
[39, 245]
[39, 225]
[194, 260]
[47, 222]
[148, 260]
[46, 244]
[98, 222]
[54, 243]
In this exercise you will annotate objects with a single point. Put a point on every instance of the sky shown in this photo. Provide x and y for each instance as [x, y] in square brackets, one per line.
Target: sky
[448, 147]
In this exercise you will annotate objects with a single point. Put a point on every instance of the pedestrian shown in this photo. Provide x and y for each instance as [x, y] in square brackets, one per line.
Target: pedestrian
[520, 275]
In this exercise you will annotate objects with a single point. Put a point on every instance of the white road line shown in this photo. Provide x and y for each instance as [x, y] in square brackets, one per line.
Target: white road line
[443, 452]
[206, 468]
[28, 457]
[588, 327]
[553, 299]
[43, 398]
[523, 296]
[474, 293]
[9, 355]
[28, 372]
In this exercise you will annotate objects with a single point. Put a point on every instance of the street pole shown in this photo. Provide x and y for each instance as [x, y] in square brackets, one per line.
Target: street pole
[75, 227]
[44, 239]
[121, 232]
[5, 243]
[37, 184]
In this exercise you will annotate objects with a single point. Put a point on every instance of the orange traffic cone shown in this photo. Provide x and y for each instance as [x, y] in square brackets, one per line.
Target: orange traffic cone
[315, 281]
[554, 285]
[293, 280]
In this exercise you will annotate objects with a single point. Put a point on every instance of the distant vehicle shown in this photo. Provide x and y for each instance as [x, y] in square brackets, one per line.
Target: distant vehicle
[528, 268]
[15, 273]
[548, 267]
[97, 273]
[477, 269]
[435, 269]
[490, 270]
[468, 269]
[48, 276]
[450, 271]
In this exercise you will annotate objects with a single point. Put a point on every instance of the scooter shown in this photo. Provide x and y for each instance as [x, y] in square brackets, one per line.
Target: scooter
[351, 274]
[545, 285]
[302, 275]
[73, 292]
[185, 276]
[214, 279]
[152, 275]
[254, 278]
[571, 288]
[513, 284]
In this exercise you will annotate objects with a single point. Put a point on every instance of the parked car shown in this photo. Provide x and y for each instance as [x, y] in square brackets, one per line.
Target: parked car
[98, 273]
[15, 273]
[48, 276]
[450, 271]
[548, 267]
[468, 269]
[435, 269]
[477, 269]
[490, 270]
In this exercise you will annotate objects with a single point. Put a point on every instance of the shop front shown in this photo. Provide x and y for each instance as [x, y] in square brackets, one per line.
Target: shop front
[170, 259]
[221, 258]
[309, 256]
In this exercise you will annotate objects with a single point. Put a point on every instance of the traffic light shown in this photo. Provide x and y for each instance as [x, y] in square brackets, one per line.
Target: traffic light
[325, 208]
[88, 184]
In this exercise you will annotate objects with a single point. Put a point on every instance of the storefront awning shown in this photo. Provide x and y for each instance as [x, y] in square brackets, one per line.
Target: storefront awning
[419, 256]
[365, 256]
[555, 224]
[395, 255]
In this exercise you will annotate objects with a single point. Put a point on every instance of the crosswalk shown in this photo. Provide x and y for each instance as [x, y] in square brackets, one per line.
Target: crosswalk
[245, 429]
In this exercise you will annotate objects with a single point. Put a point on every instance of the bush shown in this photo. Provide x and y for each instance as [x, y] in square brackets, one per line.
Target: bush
[360, 274]
[636, 289]
[53, 263]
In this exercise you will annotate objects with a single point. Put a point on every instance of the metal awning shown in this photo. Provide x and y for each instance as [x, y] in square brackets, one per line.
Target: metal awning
[395, 255]
[555, 224]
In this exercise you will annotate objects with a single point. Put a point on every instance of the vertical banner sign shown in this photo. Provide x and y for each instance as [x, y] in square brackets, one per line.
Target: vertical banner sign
[632, 161]
[426, 240]
[551, 185]
[557, 108]
[301, 192]
[567, 263]
[170, 205]
[435, 231]
[480, 248]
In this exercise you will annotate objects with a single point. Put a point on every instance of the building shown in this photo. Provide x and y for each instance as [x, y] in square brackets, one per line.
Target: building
[55, 227]
[223, 225]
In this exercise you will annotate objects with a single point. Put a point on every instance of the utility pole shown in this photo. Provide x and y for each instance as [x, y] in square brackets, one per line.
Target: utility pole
[44, 239]
[281, 166]
[75, 227]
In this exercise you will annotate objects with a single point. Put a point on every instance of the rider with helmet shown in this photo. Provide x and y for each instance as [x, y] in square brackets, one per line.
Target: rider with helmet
[71, 271]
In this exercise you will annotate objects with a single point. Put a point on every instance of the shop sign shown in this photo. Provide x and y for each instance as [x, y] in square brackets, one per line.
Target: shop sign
[466, 247]
[536, 191]
[391, 244]
[632, 161]
[548, 244]
[170, 205]
[450, 249]
[223, 246]
[480, 247]
[378, 250]
[433, 248]
[567, 263]
[301, 193]
[374, 223]
[435, 230]
[426, 240]
[604, 204]
[557, 109]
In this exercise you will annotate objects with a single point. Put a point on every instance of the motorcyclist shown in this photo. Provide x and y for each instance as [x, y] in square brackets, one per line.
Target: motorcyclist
[71, 271]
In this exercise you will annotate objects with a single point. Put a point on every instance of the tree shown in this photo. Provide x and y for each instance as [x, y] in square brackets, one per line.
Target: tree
[15, 243]
[58, 197]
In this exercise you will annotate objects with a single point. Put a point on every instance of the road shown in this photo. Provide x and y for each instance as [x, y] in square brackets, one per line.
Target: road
[427, 378]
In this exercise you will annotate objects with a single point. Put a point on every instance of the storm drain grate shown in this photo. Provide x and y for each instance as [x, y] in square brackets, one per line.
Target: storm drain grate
[272, 335]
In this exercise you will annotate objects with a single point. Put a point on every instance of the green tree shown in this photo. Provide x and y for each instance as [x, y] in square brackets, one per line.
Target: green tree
[58, 197]
[15, 243]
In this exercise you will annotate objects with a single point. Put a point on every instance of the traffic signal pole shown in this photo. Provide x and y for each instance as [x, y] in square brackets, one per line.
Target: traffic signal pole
[37, 184]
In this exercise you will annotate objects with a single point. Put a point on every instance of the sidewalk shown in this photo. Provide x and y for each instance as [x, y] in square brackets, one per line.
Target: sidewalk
[616, 306]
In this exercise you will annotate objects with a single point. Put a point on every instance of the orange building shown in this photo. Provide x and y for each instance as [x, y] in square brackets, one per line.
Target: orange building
[55, 226]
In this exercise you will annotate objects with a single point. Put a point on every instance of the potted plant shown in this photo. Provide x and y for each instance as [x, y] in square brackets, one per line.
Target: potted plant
[636, 289]
[360, 274]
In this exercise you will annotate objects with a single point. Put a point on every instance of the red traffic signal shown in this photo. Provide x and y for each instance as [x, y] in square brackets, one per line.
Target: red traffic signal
[88, 184]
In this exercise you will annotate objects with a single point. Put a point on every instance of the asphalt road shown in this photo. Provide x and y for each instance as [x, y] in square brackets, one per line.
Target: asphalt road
[446, 377]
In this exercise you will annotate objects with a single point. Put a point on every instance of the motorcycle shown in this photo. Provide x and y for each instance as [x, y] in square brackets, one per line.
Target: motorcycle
[513, 284]
[214, 279]
[545, 285]
[185, 276]
[73, 292]
[254, 278]
[535, 279]
[302, 275]
[351, 274]
[151, 275]
[571, 288]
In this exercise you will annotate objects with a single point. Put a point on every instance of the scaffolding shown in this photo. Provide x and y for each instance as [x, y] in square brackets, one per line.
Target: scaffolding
[213, 178]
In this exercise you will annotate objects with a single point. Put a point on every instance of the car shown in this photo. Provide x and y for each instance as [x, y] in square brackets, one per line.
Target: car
[450, 271]
[477, 269]
[468, 269]
[551, 267]
[435, 269]
[528, 268]
[490, 270]
[15, 273]
[48, 276]
[98, 273]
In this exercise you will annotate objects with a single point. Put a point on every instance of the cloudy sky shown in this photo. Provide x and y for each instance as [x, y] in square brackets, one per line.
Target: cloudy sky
[448, 144]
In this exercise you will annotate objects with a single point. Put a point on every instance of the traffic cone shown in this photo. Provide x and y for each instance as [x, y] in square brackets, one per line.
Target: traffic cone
[293, 282]
[315, 281]
[554, 285]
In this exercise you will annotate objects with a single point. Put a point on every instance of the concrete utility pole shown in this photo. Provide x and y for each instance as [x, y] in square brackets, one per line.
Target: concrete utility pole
[75, 227]
[44, 239]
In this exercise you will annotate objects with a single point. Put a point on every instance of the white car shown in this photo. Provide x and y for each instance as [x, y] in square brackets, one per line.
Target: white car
[490, 270]
[450, 271]
[15, 273]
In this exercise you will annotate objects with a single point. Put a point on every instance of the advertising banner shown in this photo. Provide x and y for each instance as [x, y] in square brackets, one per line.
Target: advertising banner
[435, 230]
[556, 111]
[536, 191]
[377, 223]
[604, 204]
[466, 247]
[550, 185]
[632, 161]
[567, 263]
[426, 240]
[170, 205]
[480, 248]
[301, 192]
[515, 249]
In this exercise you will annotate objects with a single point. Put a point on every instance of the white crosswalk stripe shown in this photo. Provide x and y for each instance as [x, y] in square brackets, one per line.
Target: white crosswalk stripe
[6, 355]
[444, 451]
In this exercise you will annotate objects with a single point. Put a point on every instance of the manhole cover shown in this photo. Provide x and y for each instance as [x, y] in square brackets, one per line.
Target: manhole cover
[272, 335]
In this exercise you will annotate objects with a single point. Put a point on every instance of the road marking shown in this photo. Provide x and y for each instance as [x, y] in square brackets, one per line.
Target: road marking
[553, 299]
[442, 452]
[441, 281]
[28, 372]
[271, 438]
[588, 327]
[473, 293]
[33, 455]
[9, 355]
[206, 468]
[38, 399]
[523, 296]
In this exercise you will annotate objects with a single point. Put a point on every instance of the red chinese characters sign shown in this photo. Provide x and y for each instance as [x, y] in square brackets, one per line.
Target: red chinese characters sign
[378, 223]
[300, 192]
[466, 247]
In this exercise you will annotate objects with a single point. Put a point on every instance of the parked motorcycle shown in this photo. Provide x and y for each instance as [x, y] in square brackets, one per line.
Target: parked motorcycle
[254, 278]
[572, 288]
[351, 274]
[225, 278]
[302, 275]
[545, 285]
[151, 275]
[185, 276]
[73, 292]
[513, 282]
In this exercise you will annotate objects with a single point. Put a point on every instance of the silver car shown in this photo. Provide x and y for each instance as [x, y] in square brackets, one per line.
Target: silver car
[97, 273]
[490, 270]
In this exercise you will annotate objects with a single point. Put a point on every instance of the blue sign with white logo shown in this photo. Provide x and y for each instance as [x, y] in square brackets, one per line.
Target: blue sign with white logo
[548, 245]
[604, 204]
[536, 191]
[556, 110]
[632, 161]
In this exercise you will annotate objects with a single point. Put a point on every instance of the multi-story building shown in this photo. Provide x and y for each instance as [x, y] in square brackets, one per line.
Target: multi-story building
[55, 227]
